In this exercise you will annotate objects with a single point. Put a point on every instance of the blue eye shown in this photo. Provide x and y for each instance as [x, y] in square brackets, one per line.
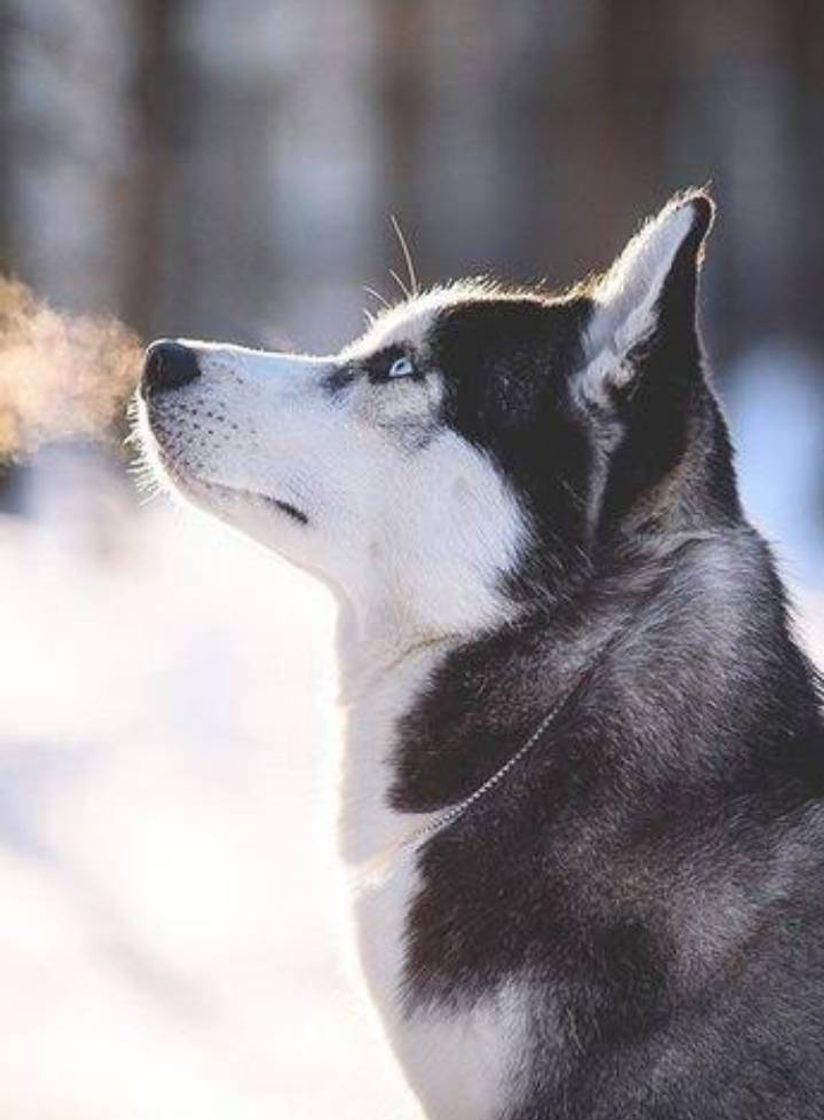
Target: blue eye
[401, 367]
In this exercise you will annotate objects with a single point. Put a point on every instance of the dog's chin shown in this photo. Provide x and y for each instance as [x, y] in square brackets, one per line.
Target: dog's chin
[258, 515]
[249, 510]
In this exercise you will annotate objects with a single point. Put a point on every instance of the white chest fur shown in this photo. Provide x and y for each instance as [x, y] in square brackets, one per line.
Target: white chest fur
[463, 1064]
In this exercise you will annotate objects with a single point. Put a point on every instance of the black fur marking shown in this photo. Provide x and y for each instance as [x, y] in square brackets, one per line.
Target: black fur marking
[340, 378]
[376, 368]
[652, 876]
[378, 365]
[507, 364]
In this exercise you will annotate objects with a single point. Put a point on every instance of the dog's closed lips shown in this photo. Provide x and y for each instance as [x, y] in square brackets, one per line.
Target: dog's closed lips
[239, 493]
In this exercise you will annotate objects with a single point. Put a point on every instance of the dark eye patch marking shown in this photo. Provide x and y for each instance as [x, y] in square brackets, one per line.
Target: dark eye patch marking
[375, 368]
[379, 365]
[340, 378]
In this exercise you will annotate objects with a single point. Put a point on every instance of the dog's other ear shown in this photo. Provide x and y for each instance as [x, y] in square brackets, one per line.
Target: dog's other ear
[650, 288]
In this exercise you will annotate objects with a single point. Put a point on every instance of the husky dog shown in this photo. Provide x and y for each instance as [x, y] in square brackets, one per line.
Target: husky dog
[584, 758]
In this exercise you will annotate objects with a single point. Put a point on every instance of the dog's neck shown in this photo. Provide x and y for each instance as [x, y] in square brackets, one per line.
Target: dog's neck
[387, 659]
[387, 626]
[386, 654]
[384, 672]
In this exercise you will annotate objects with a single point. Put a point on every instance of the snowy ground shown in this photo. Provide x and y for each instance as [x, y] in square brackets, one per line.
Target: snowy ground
[170, 946]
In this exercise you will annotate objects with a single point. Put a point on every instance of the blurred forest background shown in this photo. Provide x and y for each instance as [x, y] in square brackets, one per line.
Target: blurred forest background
[201, 168]
[213, 170]
[204, 168]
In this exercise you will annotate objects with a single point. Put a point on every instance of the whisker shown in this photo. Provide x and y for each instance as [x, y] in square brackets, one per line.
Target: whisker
[377, 295]
[407, 255]
[407, 294]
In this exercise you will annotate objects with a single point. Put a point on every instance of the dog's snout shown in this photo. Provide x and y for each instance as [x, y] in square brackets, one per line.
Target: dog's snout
[168, 365]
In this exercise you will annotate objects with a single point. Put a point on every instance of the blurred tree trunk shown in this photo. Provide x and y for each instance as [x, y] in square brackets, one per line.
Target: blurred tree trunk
[158, 98]
[6, 263]
[6, 143]
[400, 81]
[806, 57]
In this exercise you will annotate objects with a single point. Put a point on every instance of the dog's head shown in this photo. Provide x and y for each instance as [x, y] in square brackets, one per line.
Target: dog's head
[473, 447]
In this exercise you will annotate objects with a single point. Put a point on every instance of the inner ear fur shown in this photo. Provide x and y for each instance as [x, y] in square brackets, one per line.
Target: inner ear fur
[652, 285]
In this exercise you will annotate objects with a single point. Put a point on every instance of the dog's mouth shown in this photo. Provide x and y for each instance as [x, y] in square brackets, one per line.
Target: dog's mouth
[206, 492]
[238, 493]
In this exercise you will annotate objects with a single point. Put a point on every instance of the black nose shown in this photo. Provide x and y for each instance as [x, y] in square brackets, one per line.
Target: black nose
[168, 365]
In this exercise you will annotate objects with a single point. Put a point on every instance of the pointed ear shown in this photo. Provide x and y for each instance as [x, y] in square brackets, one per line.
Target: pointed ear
[652, 283]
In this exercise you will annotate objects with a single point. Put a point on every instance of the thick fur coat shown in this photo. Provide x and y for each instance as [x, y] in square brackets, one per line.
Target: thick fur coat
[528, 504]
